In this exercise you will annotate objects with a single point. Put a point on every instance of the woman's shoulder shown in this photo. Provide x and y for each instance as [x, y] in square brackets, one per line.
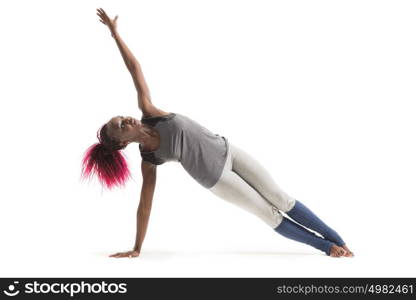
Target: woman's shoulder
[153, 119]
[154, 113]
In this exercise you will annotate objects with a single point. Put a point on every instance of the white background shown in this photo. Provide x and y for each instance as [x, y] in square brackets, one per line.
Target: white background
[320, 92]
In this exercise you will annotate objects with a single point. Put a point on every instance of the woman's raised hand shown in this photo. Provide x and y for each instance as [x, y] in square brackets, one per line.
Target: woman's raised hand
[111, 24]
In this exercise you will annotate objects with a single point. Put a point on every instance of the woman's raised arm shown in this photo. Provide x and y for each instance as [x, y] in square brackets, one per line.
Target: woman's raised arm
[143, 92]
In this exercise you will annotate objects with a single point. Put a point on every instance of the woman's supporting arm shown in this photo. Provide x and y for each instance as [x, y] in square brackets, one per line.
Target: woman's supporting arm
[143, 212]
[145, 206]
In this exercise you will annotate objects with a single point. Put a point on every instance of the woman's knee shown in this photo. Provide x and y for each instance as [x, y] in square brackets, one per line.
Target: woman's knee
[282, 201]
[289, 204]
[278, 218]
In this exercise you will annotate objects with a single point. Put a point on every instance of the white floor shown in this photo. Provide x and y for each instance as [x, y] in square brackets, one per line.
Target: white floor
[249, 262]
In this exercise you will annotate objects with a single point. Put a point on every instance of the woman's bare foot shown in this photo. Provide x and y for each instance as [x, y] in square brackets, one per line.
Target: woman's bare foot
[348, 253]
[337, 251]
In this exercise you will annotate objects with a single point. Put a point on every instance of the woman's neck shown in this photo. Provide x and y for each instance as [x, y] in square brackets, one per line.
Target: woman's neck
[151, 139]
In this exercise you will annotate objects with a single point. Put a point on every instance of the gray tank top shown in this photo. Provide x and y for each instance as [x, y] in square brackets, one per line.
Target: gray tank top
[201, 152]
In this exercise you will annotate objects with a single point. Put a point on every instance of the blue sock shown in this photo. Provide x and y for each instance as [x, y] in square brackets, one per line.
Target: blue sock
[304, 216]
[294, 231]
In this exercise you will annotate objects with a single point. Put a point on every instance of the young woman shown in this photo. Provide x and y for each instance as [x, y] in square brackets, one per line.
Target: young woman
[218, 165]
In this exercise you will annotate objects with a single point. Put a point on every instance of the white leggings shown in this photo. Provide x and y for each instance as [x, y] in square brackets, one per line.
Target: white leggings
[247, 184]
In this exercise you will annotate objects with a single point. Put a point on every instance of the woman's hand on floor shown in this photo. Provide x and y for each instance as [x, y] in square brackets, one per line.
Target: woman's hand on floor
[111, 24]
[130, 254]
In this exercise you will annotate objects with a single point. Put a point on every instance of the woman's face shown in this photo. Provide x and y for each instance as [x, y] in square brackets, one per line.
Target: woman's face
[125, 129]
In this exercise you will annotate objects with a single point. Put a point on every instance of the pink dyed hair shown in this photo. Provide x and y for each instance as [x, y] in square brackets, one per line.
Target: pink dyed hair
[105, 160]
